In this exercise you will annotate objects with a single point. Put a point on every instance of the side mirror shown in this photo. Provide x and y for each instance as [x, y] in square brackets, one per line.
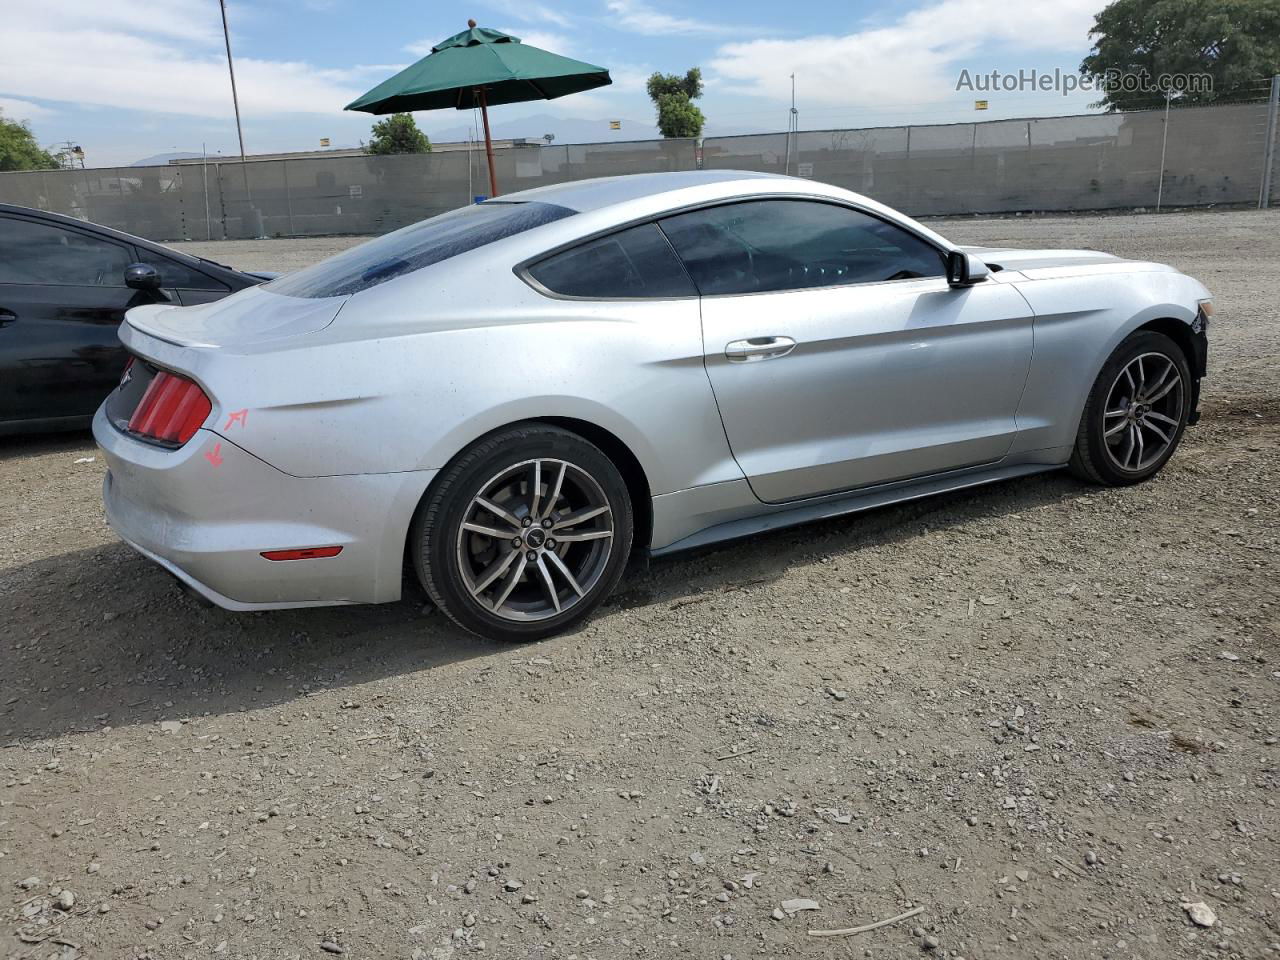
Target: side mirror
[142, 276]
[964, 269]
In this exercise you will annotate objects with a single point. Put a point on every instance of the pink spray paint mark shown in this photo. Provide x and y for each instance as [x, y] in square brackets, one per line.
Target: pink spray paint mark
[239, 416]
[214, 456]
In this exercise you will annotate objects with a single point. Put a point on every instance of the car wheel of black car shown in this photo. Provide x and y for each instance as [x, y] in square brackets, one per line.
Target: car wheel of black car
[524, 534]
[1136, 412]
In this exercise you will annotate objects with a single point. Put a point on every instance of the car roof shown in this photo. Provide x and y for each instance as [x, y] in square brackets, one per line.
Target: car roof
[587, 195]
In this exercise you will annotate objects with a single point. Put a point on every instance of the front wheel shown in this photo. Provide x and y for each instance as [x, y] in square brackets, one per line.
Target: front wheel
[524, 534]
[1136, 412]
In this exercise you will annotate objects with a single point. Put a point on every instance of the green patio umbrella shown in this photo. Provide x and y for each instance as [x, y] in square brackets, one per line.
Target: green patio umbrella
[479, 67]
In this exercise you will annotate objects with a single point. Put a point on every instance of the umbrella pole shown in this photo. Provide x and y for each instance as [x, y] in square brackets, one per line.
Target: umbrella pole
[488, 142]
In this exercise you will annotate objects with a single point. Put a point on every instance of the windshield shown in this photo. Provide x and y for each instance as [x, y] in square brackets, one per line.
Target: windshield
[416, 246]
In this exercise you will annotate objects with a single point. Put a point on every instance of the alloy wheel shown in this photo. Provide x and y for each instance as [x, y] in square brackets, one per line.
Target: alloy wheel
[535, 540]
[1143, 412]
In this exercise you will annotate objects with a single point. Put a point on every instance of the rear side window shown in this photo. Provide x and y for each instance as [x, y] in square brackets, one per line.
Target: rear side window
[417, 246]
[632, 263]
[40, 253]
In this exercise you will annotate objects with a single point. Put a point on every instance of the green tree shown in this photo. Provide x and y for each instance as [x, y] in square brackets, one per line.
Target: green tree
[398, 133]
[1235, 42]
[673, 96]
[19, 150]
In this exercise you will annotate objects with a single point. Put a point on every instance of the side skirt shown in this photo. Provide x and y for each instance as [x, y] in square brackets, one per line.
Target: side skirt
[852, 503]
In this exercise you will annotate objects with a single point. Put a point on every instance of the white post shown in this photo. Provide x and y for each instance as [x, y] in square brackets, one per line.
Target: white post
[1269, 148]
[204, 173]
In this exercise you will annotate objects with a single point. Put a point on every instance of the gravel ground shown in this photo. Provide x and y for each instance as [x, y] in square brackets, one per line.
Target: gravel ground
[1042, 712]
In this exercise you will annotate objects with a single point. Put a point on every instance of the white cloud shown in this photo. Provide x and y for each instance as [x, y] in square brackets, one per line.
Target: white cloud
[531, 12]
[639, 16]
[555, 42]
[164, 56]
[14, 109]
[914, 59]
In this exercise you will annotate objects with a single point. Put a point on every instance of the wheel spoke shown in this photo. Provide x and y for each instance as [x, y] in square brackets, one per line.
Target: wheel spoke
[1142, 379]
[1152, 415]
[1110, 433]
[496, 569]
[1137, 436]
[535, 495]
[579, 516]
[546, 582]
[1108, 414]
[510, 584]
[1166, 437]
[555, 492]
[1176, 381]
[498, 511]
[579, 537]
[486, 531]
[564, 571]
[1146, 395]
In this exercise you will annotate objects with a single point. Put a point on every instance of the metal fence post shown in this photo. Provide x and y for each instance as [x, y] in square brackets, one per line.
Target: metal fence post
[1269, 147]
[288, 200]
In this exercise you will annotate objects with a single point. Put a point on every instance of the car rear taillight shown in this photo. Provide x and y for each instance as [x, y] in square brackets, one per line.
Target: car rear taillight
[172, 409]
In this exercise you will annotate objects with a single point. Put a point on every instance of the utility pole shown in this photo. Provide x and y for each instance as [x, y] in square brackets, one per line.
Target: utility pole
[793, 128]
[235, 102]
[1269, 148]
[1164, 143]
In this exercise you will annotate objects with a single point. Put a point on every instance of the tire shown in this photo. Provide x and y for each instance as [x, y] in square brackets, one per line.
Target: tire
[1116, 448]
[486, 583]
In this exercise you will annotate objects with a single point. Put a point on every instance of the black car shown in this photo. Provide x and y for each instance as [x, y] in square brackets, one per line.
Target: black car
[64, 287]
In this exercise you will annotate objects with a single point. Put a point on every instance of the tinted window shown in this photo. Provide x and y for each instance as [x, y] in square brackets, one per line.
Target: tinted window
[417, 246]
[178, 276]
[32, 252]
[763, 245]
[637, 262]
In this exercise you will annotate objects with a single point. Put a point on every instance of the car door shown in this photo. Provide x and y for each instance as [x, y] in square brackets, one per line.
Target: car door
[839, 355]
[62, 297]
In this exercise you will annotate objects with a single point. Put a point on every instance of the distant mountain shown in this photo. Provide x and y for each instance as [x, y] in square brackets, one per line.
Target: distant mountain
[160, 159]
[566, 129]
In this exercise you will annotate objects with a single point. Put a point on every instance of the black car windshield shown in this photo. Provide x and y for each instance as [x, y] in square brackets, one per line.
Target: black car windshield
[416, 246]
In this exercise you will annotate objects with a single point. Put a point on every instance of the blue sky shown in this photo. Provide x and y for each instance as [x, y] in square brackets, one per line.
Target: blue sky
[131, 78]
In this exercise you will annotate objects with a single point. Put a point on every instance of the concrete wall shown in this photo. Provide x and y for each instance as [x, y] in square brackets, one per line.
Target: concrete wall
[1211, 155]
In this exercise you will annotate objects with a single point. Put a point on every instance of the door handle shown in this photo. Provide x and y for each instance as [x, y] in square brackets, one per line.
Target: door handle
[758, 348]
[7, 317]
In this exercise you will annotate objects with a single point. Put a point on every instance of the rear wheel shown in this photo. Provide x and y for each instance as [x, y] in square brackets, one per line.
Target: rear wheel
[525, 534]
[1136, 412]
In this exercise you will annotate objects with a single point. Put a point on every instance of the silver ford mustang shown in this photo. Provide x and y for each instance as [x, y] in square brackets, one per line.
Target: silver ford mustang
[516, 395]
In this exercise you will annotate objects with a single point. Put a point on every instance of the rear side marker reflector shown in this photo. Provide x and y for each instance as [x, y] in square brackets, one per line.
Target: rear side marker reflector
[311, 553]
[171, 410]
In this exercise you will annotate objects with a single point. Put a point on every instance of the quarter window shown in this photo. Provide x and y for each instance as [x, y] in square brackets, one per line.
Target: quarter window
[178, 276]
[39, 253]
[637, 262]
[761, 245]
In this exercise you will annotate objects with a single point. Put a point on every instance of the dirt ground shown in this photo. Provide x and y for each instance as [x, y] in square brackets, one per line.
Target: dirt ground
[1044, 713]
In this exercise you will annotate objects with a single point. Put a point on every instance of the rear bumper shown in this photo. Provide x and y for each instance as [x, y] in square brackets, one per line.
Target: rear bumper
[206, 512]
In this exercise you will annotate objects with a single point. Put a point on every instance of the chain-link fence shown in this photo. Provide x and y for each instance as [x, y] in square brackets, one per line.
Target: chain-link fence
[1179, 157]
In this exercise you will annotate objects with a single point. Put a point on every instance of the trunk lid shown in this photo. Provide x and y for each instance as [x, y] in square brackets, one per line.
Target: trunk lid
[247, 318]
